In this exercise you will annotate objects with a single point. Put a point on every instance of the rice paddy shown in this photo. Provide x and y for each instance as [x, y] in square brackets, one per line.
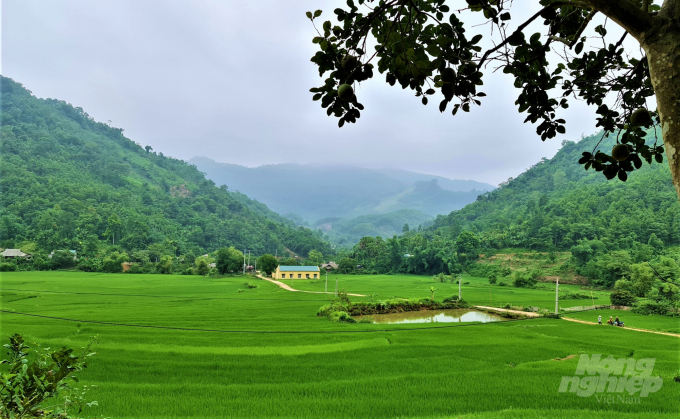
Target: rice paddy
[187, 346]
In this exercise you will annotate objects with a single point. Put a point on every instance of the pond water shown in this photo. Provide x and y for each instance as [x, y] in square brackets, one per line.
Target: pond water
[434, 316]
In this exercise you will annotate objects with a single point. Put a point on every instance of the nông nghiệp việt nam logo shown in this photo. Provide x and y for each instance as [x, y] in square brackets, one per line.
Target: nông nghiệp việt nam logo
[612, 380]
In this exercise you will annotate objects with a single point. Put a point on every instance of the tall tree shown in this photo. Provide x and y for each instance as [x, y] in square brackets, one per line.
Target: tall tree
[424, 45]
[267, 263]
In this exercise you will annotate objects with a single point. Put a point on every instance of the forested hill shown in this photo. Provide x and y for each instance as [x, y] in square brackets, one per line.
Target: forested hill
[315, 192]
[556, 203]
[69, 182]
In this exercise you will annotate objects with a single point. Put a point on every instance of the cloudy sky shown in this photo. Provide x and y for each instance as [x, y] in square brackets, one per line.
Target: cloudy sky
[230, 80]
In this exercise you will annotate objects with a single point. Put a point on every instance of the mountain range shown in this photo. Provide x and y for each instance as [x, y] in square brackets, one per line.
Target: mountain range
[70, 182]
[308, 194]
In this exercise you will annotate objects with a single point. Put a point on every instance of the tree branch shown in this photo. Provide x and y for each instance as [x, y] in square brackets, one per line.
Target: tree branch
[629, 16]
[520, 28]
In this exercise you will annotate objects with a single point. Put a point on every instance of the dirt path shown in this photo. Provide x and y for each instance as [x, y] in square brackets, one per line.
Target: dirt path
[626, 328]
[526, 313]
[288, 287]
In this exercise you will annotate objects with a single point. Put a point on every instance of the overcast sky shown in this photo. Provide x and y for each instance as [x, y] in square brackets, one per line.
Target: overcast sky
[230, 80]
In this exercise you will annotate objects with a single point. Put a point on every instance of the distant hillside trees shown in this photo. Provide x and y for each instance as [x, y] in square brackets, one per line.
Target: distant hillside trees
[71, 183]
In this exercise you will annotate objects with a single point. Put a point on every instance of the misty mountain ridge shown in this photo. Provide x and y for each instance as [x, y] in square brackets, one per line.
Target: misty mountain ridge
[315, 192]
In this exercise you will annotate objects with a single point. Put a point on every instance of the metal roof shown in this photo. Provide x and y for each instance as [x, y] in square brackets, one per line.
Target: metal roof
[299, 268]
[13, 253]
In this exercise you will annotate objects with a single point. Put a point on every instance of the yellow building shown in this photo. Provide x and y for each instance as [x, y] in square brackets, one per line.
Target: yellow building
[296, 272]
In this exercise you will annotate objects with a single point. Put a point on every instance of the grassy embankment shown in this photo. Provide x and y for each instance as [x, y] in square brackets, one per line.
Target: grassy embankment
[493, 370]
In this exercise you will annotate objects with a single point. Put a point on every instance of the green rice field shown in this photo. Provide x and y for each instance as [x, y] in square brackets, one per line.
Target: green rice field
[478, 291]
[188, 346]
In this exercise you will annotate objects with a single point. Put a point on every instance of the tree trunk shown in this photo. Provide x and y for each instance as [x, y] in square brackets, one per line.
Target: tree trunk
[663, 54]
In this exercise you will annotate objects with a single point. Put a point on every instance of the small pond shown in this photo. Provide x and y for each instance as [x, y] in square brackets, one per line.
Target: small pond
[434, 316]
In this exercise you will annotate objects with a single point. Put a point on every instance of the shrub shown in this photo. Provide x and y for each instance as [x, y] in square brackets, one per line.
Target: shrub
[114, 262]
[188, 271]
[493, 279]
[36, 383]
[202, 266]
[7, 267]
[662, 308]
[625, 285]
[567, 295]
[250, 285]
[90, 264]
[341, 316]
[453, 298]
[164, 266]
[439, 278]
[525, 279]
[622, 298]
[62, 259]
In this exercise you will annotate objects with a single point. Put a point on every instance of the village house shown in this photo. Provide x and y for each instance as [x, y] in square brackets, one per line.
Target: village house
[14, 254]
[296, 272]
[329, 266]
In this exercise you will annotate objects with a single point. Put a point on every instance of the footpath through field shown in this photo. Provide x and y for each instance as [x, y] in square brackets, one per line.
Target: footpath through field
[289, 288]
[626, 328]
[525, 313]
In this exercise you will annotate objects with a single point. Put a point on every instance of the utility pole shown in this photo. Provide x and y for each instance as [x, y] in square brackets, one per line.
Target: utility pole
[557, 294]
[244, 261]
[460, 288]
[248, 257]
[326, 288]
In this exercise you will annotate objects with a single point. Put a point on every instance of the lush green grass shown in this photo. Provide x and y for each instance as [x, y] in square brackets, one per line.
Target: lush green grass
[477, 292]
[493, 370]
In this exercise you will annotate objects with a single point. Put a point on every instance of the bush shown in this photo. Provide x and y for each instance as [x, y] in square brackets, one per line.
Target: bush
[7, 267]
[62, 259]
[114, 262]
[341, 316]
[202, 266]
[38, 382]
[439, 278]
[90, 265]
[453, 298]
[188, 271]
[493, 279]
[566, 295]
[250, 285]
[662, 308]
[622, 298]
[164, 266]
[523, 280]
